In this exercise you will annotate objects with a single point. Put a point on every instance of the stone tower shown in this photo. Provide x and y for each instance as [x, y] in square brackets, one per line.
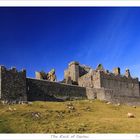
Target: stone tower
[12, 84]
[74, 71]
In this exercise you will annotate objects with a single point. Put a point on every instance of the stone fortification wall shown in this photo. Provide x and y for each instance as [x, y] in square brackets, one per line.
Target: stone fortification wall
[91, 79]
[42, 90]
[97, 93]
[110, 95]
[85, 81]
[45, 90]
[94, 84]
[122, 85]
[12, 84]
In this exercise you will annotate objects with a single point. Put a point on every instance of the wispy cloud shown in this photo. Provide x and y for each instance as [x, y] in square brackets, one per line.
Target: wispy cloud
[110, 43]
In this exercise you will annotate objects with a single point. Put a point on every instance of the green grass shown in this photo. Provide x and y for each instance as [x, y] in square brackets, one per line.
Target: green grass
[56, 117]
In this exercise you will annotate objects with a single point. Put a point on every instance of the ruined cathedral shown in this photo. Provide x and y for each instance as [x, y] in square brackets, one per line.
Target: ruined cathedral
[80, 82]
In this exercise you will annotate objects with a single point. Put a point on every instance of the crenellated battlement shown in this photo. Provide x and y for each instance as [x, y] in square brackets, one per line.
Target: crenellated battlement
[112, 76]
[12, 69]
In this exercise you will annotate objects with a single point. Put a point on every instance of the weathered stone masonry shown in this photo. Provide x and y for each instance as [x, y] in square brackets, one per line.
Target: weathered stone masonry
[12, 84]
[80, 82]
[52, 91]
[110, 86]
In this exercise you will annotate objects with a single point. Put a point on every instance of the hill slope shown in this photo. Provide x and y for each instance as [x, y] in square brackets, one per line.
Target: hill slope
[68, 117]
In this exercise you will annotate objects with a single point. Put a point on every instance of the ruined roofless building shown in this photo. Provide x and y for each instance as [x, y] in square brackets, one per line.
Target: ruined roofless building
[122, 87]
[75, 71]
[80, 82]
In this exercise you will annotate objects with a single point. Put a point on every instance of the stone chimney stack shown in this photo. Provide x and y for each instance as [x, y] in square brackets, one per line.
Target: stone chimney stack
[117, 71]
[127, 73]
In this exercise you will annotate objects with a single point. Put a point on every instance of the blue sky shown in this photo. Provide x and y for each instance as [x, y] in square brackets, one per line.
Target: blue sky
[45, 38]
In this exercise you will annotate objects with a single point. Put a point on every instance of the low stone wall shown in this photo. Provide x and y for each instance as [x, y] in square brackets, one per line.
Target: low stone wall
[126, 100]
[43, 90]
[112, 96]
[91, 93]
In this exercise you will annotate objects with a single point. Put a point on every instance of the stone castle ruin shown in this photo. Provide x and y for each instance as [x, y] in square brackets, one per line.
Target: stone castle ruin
[80, 82]
[46, 76]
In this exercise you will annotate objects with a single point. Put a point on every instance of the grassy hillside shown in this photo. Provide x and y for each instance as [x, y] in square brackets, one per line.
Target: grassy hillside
[68, 117]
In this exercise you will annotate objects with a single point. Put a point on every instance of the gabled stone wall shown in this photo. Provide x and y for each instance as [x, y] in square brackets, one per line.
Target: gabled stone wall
[91, 79]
